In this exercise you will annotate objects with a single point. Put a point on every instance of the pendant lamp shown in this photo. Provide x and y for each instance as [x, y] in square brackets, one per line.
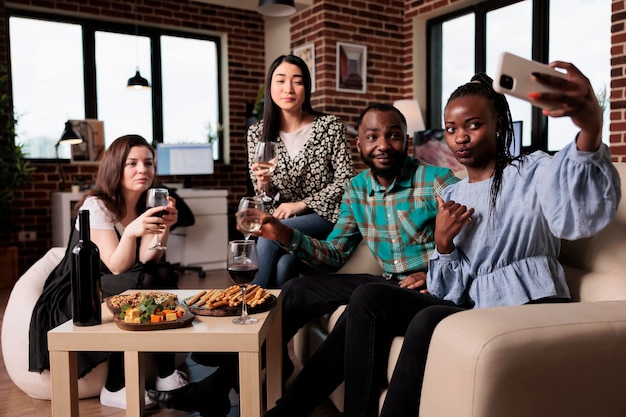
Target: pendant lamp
[277, 8]
[137, 82]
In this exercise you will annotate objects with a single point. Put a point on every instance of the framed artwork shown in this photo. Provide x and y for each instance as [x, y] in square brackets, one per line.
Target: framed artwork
[307, 53]
[351, 67]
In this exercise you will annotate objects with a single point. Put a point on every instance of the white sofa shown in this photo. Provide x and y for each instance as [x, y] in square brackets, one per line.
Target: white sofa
[547, 360]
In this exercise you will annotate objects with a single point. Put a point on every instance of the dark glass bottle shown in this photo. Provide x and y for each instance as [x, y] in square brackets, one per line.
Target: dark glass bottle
[86, 292]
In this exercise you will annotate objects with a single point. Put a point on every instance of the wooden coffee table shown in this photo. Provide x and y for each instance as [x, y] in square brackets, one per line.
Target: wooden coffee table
[205, 334]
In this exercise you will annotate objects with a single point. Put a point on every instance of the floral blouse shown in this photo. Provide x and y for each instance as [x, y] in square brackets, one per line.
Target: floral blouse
[318, 175]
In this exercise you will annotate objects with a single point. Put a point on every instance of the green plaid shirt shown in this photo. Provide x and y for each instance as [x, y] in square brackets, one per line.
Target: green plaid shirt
[397, 223]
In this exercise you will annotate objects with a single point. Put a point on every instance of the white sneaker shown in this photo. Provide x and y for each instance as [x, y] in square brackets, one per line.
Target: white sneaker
[117, 399]
[176, 380]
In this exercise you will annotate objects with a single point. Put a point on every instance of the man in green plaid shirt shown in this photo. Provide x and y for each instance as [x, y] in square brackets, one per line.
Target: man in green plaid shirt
[391, 207]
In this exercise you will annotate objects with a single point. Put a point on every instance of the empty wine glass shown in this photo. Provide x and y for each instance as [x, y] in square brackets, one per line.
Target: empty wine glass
[243, 264]
[249, 215]
[157, 197]
[266, 158]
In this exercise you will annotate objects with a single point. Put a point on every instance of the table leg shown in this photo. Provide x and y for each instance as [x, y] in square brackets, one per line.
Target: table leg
[64, 384]
[274, 361]
[250, 384]
[135, 384]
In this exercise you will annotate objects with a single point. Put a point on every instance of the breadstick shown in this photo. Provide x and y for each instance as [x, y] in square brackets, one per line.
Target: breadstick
[205, 298]
[221, 303]
[195, 298]
[216, 295]
[251, 293]
[261, 300]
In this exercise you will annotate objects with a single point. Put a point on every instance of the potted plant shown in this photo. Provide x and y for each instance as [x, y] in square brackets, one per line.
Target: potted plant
[15, 172]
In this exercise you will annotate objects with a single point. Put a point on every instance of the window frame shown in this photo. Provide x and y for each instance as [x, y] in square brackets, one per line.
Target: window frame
[89, 27]
[540, 52]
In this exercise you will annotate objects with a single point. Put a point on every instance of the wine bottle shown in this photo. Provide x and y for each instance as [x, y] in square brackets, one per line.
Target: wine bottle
[86, 291]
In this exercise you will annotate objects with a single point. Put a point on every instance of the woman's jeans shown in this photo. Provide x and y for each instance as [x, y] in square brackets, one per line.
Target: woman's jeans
[276, 265]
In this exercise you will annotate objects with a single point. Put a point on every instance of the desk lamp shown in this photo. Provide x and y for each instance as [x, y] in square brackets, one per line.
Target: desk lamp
[69, 137]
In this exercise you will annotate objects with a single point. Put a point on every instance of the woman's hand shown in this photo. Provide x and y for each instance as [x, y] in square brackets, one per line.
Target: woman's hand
[415, 281]
[575, 99]
[450, 220]
[263, 176]
[148, 224]
[286, 210]
[171, 217]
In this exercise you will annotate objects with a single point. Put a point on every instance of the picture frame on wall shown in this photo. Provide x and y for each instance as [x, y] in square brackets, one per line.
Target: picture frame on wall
[307, 53]
[351, 67]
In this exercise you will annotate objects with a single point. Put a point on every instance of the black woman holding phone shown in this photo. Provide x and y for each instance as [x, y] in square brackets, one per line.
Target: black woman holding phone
[497, 239]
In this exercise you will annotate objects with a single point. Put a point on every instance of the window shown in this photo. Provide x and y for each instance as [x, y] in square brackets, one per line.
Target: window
[47, 82]
[64, 69]
[471, 40]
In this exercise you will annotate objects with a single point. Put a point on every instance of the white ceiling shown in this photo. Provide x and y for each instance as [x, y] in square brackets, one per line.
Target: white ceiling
[252, 4]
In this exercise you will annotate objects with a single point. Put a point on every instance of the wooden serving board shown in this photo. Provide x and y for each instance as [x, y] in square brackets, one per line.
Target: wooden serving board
[164, 325]
[231, 311]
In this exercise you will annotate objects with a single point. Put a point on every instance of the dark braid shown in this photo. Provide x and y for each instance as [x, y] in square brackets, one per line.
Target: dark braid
[481, 85]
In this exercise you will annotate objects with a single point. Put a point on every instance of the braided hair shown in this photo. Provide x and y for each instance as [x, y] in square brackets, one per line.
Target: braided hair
[481, 85]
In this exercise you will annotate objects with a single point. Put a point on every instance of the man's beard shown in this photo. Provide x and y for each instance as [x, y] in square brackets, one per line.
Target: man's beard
[388, 173]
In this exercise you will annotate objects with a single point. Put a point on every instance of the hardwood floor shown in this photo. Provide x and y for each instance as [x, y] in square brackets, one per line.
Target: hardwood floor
[17, 403]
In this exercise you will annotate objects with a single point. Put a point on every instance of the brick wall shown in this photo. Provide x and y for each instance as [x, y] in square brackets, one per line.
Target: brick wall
[383, 27]
[618, 81]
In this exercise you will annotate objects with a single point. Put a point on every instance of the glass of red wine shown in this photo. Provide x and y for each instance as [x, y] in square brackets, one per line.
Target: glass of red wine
[157, 197]
[243, 264]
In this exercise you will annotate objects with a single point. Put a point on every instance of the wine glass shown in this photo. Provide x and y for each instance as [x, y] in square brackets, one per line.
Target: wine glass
[157, 197]
[249, 215]
[243, 265]
[266, 158]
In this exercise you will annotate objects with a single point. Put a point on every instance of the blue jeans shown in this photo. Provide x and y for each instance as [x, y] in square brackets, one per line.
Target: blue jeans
[277, 266]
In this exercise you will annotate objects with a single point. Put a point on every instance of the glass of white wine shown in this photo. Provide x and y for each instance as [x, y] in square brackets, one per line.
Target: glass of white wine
[249, 215]
[157, 197]
[265, 155]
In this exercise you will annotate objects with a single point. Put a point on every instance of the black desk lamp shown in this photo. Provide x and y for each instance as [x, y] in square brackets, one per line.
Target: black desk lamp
[69, 137]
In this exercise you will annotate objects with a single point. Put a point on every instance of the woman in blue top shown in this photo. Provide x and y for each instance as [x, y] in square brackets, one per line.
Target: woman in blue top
[497, 241]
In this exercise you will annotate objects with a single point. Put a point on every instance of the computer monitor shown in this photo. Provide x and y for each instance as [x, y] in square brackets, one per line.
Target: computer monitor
[431, 147]
[185, 159]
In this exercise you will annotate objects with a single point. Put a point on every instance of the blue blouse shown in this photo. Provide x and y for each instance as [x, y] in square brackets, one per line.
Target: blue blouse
[509, 256]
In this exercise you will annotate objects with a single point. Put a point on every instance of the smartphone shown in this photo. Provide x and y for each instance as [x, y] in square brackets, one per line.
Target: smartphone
[514, 76]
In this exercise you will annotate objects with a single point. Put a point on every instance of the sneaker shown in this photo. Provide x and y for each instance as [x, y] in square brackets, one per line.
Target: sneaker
[117, 399]
[176, 380]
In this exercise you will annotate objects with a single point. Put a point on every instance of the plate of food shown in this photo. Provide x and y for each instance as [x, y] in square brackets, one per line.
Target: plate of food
[148, 311]
[227, 302]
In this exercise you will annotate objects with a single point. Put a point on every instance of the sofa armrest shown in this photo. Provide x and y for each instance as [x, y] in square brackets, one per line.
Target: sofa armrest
[542, 360]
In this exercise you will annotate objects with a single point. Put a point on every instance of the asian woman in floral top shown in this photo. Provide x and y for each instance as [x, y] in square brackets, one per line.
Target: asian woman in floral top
[313, 168]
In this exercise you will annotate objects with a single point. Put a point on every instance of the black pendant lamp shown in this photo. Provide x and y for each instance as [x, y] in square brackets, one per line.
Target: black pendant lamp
[277, 8]
[138, 82]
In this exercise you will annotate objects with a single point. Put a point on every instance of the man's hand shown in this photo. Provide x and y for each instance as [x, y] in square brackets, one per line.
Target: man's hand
[416, 281]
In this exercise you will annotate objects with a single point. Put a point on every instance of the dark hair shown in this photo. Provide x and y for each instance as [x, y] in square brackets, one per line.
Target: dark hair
[481, 85]
[382, 107]
[271, 112]
[108, 186]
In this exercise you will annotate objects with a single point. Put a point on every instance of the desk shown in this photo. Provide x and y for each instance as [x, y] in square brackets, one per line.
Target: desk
[205, 334]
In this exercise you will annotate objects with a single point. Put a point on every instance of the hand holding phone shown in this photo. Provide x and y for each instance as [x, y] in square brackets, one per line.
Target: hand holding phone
[514, 76]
